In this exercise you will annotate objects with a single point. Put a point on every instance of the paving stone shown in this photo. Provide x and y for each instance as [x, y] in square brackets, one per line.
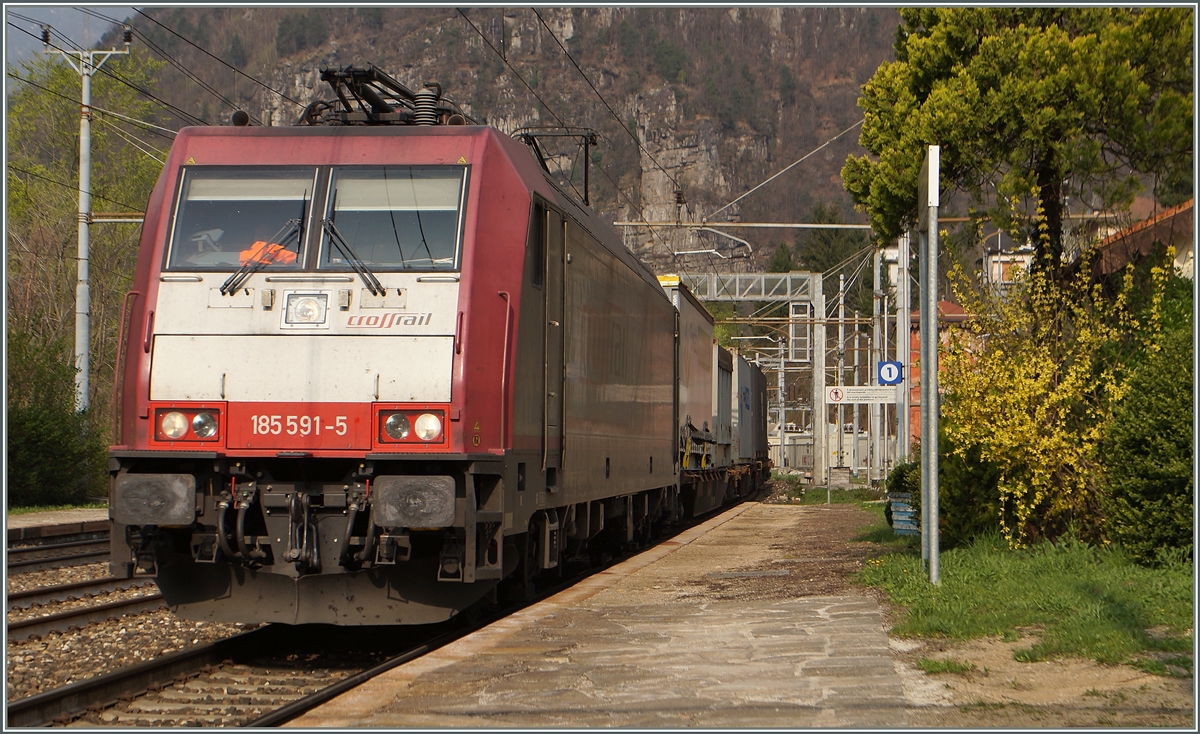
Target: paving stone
[589, 657]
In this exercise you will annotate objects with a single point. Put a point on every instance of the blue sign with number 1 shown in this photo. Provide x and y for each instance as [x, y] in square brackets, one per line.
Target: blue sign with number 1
[891, 373]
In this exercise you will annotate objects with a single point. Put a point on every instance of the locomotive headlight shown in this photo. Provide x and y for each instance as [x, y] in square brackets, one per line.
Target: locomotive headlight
[306, 309]
[174, 425]
[396, 426]
[428, 427]
[204, 425]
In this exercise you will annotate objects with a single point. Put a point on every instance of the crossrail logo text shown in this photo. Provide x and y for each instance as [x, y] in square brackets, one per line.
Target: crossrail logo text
[388, 320]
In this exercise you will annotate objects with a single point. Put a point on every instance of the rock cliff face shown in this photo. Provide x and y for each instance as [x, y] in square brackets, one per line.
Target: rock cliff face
[717, 99]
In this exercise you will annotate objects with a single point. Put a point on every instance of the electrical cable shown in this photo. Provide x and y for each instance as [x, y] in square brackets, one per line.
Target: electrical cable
[101, 110]
[171, 60]
[559, 119]
[128, 139]
[216, 58]
[167, 105]
[631, 134]
[73, 187]
[785, 170]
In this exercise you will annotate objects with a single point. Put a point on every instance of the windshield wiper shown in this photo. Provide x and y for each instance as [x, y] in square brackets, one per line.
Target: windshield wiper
[263, 257]
[368, 278]
[279, 242]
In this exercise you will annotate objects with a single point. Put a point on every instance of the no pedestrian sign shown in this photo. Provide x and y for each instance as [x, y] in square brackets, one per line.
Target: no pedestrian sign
[862, 394]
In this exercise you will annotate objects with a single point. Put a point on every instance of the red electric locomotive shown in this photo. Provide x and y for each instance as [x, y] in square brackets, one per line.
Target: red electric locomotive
[376, 363]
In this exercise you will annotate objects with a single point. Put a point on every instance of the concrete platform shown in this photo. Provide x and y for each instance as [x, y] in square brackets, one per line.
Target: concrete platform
[32, 525]
[640, 646]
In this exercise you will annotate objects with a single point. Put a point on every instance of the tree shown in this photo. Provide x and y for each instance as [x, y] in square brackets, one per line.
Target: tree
[44, 432]
[831, 251]
[1033, 107]
[781, 259]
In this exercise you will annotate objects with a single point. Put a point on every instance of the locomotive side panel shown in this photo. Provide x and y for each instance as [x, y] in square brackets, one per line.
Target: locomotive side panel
[619, 344]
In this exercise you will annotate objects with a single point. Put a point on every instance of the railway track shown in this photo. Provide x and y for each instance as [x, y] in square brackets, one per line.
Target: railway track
[67, 551]
[64, 592]
[264, 677]
[67, 619]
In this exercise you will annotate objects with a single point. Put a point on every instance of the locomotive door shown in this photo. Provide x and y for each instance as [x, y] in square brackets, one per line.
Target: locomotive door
[552, 434]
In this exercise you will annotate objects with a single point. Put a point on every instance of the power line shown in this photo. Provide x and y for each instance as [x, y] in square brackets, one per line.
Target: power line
[560, 121]
[134, 142]
[101, 110]
[218, 59]
[167, 105]
[777, 175]
[129, 207]
[169, 59]
[616, 117]
[510, 67]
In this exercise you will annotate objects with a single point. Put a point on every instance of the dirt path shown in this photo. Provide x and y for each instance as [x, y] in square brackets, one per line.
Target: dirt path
[1000, 691]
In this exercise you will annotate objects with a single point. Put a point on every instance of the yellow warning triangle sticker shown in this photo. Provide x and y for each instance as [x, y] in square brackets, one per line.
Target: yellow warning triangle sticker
[462, 159]
[190, 161]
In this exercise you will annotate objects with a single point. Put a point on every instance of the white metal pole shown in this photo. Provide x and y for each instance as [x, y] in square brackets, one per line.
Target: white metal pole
[928, 206]
[929, 387]
[89, 62]
[902, 347]
[854, 406]
[82, 292]
[885, 424]
[820, 410]
[782, 404]
[876, 409]
[841, 367]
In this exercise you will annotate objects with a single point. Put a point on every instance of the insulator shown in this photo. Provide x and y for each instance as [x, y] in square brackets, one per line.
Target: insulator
[45, 35]
[128, 35]
[425, 105]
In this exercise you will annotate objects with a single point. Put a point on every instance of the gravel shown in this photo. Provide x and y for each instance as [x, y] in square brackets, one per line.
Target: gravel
[90, 600]
[38, 665]
[56, 577]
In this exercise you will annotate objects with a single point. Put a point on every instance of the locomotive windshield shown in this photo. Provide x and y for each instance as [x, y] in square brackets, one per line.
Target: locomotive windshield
[228, 217]
[396, 217]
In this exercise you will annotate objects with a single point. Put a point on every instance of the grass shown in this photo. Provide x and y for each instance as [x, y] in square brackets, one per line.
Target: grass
[52, 508]
[1086, 601]
[945, 666]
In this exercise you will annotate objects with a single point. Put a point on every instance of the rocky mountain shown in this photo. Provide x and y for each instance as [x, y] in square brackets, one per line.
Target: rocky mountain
[718, 99]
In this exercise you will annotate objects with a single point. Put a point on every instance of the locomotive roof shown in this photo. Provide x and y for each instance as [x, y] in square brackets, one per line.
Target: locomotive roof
[521, 155]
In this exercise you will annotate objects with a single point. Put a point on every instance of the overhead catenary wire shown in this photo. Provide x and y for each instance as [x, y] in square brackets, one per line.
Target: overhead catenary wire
[150, 127]
[107, 72]
[73, 187]
[555, 116]
[134, 142]
[616, 117]
[217, 58]
[805, 157]
[179, 65]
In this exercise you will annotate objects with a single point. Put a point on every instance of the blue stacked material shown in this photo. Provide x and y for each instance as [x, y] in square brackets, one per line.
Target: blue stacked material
[904, 517]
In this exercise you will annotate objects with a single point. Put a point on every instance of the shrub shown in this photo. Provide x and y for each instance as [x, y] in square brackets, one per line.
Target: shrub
[55, 455]
[1147, 449]
[968, 492]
